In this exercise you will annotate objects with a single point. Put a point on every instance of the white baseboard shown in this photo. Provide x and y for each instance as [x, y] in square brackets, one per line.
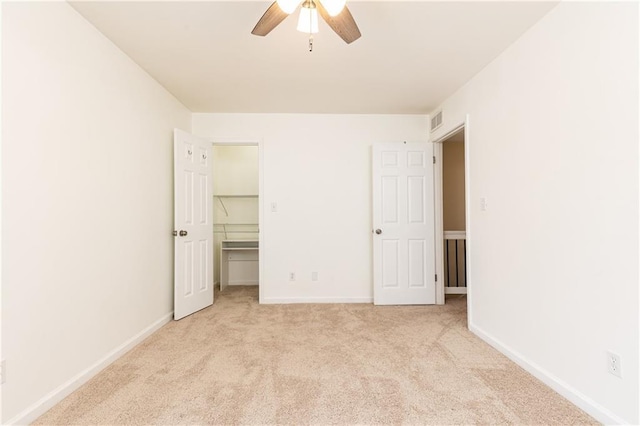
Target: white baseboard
[585, 403]
[290, 300]
[455, 290]
[52, 398]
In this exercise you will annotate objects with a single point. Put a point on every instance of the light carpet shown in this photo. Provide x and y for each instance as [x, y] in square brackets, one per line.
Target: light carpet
[238, 362]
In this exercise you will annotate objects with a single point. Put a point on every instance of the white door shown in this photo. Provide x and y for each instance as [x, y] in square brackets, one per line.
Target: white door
[403, 223]
[193, 231]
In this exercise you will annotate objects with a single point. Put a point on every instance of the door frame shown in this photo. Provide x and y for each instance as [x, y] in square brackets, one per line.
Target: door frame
[439, 206]
[225, 141]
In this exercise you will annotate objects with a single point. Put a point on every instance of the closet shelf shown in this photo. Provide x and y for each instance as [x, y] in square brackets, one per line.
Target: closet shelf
[234, 224]
[237, 196]
[236, 232]
[235, 228]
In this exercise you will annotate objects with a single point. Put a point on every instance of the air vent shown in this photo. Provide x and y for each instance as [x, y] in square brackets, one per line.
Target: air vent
[436, 121]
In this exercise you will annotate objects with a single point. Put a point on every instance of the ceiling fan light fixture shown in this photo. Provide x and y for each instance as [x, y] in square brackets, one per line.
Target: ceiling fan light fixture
[308, 20]
[342, 24]
[288, 6]
[334, 7]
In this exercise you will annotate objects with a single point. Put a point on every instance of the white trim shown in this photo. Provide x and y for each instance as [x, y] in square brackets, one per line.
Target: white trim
[437, 205]
[290, 300]
[450, 133]
[235, 141]
[47, 402]
[455, 290]
[259, 142]
[467, 214]
[585, 403]
[455, 235]
[261, 223]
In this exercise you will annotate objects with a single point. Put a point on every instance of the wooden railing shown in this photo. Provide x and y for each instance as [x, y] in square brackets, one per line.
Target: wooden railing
[455, 262]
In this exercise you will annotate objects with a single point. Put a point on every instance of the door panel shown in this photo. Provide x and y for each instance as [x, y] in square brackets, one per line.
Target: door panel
[193, 224]
[403, 213]
[390, 199]
[390, 263]
[417, 263]
[416, 199]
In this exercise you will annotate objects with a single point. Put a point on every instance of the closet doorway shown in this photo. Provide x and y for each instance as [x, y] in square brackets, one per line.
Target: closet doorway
[236, 214]
[452, 212]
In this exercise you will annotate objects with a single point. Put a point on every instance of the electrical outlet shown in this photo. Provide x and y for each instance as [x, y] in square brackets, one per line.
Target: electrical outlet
[483, 204]
[292, 276]
[3, 371]
[314, 276]
[614, 364]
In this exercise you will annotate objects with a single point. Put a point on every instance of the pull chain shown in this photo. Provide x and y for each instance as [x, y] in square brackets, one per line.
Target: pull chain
[310, 30]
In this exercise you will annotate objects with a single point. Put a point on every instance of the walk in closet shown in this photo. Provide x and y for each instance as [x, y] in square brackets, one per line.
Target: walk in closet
[235, 215]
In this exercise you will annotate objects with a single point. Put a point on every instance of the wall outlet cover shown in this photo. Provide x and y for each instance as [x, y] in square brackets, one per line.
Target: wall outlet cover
[614, 364]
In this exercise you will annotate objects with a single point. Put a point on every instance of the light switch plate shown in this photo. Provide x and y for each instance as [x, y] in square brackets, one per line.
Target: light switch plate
[483, 204]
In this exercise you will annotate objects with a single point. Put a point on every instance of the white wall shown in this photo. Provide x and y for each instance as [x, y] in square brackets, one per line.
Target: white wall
[553, 147]
[317, 168]
[235, 170]
[87, 202]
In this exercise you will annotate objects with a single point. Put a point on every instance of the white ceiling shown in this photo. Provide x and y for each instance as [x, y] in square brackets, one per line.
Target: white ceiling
[411, 56]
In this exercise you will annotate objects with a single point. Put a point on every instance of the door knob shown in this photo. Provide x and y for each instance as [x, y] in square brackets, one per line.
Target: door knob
[183, 233]
[378, 231]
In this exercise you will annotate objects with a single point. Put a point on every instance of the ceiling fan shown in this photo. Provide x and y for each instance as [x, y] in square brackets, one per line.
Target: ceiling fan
[334, 12]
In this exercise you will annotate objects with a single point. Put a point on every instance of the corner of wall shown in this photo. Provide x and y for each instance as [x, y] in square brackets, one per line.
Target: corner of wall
[585, 403]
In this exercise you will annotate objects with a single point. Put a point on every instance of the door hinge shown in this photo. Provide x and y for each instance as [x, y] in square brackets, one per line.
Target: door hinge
[434, 159]
[436, 277]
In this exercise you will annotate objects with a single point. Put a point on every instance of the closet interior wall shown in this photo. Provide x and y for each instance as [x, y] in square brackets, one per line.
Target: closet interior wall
[235, 192]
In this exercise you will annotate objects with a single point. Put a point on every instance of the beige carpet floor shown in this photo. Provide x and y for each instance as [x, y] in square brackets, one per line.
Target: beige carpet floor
[239, 362]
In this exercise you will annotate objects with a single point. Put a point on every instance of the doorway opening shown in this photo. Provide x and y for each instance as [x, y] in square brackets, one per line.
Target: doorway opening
[452, 214]
[236, 218]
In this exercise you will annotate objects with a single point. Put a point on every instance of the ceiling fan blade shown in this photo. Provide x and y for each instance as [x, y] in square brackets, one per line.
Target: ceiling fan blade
[343, 24]
[271, 18]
